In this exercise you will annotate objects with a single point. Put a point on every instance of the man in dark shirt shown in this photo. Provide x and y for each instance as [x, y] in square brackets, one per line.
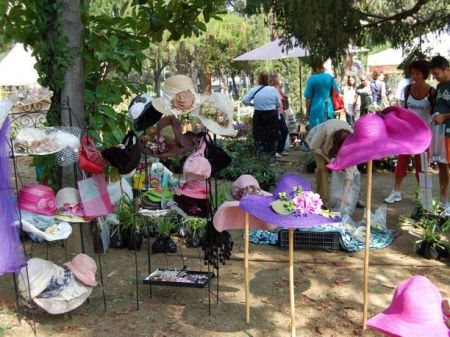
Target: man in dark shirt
[440, 69]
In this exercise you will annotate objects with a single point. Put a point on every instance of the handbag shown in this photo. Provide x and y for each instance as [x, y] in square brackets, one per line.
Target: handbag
[438, 147]
[216, 156]
[127, 157]
[94, 196]
[336, 99]
[91, 160]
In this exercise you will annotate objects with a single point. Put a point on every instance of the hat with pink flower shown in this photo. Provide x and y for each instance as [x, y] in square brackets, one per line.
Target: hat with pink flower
[292, 204]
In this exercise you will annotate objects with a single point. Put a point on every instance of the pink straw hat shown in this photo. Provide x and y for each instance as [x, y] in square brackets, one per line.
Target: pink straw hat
[393, 131]
[194, 189]
[415, 311]
[83, 268]
[37, 198]
[230, 216]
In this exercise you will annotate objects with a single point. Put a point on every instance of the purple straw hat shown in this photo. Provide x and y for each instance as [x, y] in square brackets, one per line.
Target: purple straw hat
[393, 131]
[261, 206]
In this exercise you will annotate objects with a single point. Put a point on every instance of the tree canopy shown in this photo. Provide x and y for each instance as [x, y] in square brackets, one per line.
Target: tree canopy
[327, 27]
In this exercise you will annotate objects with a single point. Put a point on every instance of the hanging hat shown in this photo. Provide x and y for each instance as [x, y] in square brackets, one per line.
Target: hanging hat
[196, 165]
[69, 205]
[393, 131]
[167, 140]
[83, 268]
[143, 113]
[179, 96]
[415, 311]
[194, 189]
[5, 108]
[158, 193]
[37, 198]
[70, 298]
[54, 232]
[271, 209]
[230, 216]
[126, 156]
[40, 272]
[216, 114]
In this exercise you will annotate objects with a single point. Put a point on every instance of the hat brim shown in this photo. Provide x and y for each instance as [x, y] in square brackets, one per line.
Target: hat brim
[396, 324]
[354, 153]
[230, 216]
[70, 218]
[70, 298]
[216, 128]
[160, 106]
[64, 231]
[260, 207]
[81, 276]
[149, 117]
[36, 286]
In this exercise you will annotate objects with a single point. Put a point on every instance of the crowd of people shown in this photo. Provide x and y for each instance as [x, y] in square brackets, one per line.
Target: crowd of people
[327, 134]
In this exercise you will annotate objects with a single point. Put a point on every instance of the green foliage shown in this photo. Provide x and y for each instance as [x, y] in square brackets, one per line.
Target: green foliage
[165, 225]
[128, 217]
[245, 161]
[327, 27]
[197, 226]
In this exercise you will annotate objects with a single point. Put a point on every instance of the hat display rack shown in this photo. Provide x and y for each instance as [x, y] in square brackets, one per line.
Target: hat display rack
[35, 119]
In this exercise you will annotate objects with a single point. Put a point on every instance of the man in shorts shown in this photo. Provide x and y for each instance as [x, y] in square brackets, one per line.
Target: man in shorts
[440, 69]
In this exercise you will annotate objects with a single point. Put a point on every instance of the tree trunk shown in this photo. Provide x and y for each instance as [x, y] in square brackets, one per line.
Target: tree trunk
[208, 84]
[72, 95]
[235, 89]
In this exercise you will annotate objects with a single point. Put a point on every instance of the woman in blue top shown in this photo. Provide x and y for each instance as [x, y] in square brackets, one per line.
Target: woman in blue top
[265, 118]
[318, 96]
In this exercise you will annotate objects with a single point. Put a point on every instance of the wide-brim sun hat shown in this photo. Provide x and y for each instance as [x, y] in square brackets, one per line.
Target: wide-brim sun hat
[83, 268]
[69, 205]
[261, 206]
[70, 298]
[55, 232]
[393, 131]
[179, 96]
[216, 114]
[230, 216]
[415, 311]
[40, 272]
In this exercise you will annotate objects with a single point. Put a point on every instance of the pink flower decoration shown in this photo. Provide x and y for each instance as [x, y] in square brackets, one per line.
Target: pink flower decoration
[308, 202]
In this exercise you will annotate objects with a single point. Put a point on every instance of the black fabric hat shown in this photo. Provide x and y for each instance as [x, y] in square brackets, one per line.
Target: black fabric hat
[143, 113]
[125, 157]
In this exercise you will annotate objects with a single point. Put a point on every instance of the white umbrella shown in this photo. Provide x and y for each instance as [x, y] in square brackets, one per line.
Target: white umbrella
[272, 51]
[17, 67]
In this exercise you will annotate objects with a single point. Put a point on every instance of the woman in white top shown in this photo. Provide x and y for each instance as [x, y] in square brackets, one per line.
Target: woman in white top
[349, 97]
[419, 97]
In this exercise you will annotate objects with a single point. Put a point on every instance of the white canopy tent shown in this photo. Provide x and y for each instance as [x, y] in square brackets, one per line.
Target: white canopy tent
[17, 67]
[272, 51]
[431, 43]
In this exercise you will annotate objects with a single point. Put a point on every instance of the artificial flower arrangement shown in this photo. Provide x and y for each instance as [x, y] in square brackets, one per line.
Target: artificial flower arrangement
[301, 204]
[209, 110]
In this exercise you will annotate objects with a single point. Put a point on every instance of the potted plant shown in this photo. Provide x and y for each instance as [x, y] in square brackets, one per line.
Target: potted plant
[164, 243]
[430, 245]
[197, 229]
[129, 230]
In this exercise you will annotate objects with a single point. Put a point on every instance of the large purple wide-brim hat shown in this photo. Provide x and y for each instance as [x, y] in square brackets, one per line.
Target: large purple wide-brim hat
[393, 131]
[260, 206]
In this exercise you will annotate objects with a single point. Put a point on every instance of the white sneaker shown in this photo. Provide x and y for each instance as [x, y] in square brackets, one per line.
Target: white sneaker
[393, 197]
[277, 155]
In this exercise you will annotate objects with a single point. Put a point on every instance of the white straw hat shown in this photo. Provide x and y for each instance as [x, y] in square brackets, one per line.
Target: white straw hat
[216, 114]
[179, 96]
[40, 273]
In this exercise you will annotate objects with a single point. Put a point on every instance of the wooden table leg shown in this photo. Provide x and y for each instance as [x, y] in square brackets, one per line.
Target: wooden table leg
[291, 279]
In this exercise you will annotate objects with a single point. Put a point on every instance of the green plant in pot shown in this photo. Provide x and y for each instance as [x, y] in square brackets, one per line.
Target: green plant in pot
[164, 242]
[430, 245]
[130, 224]
[197, 230]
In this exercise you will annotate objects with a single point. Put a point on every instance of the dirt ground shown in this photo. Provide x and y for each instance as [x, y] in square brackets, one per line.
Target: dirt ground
[328, 288]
